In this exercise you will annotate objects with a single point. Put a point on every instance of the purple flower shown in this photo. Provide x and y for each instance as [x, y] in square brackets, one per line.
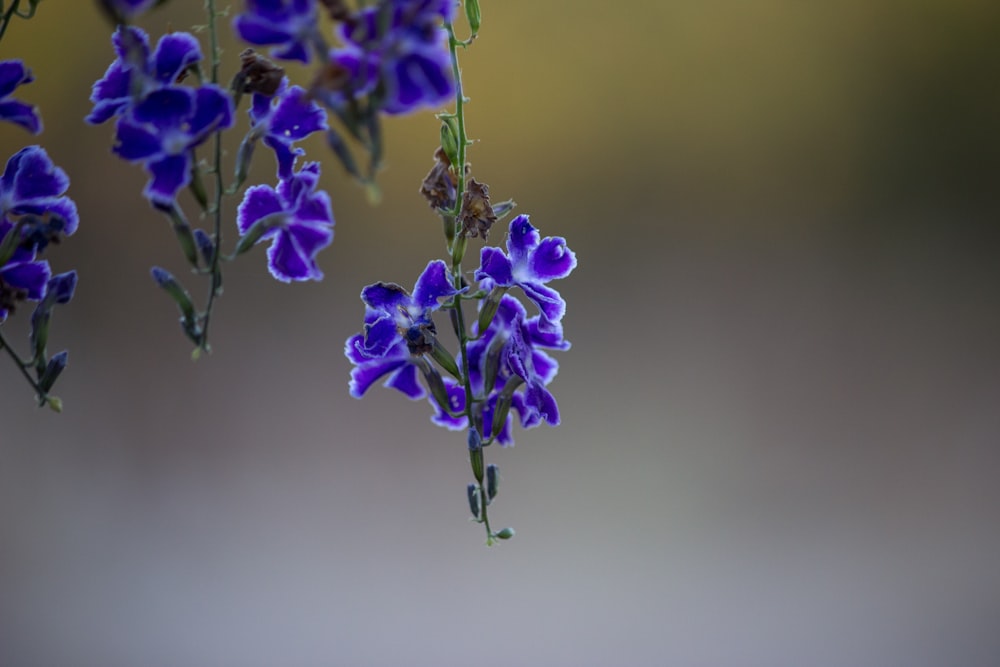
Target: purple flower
[397, 363]
[162, 130]
[401, 47]
[22, 277]
[298, 218]
[287, 25]
[13, 73]
[395, 315]
[136, 73]
[284, 118]
[512, 343]
[529, 263]
[33, 186]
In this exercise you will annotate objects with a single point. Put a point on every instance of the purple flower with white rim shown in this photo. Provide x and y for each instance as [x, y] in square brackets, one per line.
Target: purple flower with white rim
[300, 223]
[529, 263]
[163, 129]
[13, 73]
[22, 277]
[287, 25]
[397, 363]
[136, 73]
[396, 315]
[284, 118]
[32, 185]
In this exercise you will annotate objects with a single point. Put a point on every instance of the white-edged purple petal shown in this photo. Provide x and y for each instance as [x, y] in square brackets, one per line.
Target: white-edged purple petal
[170, 174]
[213, 110]
[258, 201]
[385, 297]
[29, 276]
[433, 285]
[406, 381]
[134, 142]
[380, 337]
[21, 113]
[175, 52]
[551, 260]
[549, 302]
[495, 265]
[165, 108]
[522, 238]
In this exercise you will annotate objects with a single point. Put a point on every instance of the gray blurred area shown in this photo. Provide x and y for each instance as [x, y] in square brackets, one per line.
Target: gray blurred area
[781, 435]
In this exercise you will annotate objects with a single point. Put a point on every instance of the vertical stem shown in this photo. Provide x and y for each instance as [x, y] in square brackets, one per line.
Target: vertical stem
[456, 273]
[216, 208]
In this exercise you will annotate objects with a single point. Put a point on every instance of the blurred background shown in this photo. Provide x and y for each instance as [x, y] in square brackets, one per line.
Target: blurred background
[781, 435]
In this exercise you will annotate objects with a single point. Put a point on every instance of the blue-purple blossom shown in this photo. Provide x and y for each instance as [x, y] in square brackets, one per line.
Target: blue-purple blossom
[400, 47]
[395, 315]
[33, 187]
[287, 25]
[284, 118]
[301, 223]
[397, 363]
[162, 130]
[136, 72]
[22, 277]
[529, 263]
[13, 73]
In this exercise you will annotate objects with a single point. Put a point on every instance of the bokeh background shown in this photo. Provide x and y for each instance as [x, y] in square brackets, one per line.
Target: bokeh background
[781, 435]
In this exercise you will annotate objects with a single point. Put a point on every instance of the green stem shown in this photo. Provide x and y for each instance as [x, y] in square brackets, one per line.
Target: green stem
[10, 12]
[215, 268]
[22, 365]
[456, 274]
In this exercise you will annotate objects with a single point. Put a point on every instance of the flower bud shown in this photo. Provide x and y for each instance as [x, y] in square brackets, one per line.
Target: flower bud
[489, 307]
[443, 357]
[205, 245]
[473, 492]
[449, 138]
[504, 534]
[434, 383]
[492, 480]
[473, 14]
[343, 153]
[257, 230]
[52, 371]
[180, 296]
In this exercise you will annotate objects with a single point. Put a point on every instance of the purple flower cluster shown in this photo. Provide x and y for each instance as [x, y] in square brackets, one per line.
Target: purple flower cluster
[33, 211]
[159, 123]
[394, 51]
[398, 51]
[508, 366]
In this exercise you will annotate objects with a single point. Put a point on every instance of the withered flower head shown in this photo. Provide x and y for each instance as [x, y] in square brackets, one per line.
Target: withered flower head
[337, 9]
[439, 185]
[476, 216]
[258, 74]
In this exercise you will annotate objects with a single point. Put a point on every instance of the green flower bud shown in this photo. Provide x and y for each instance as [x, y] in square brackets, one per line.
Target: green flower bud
[473, 14]
[505, 534]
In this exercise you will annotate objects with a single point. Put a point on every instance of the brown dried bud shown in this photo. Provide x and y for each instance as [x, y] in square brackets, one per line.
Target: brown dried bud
[337, 9]
[330, 78]
[476, 216]
[439, 185]
[258, 74]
